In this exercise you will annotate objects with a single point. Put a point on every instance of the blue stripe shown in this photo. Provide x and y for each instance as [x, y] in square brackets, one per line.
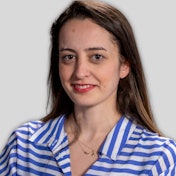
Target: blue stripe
[138, 154]
[60, 128]
[31, 152]
[141, 154]
[51, 133]
[166, 161]
[158, 167]
[118, 170]
[125, 135]
[173, 171]
[32, 171]
[45, 131]
[114, 137]
[144, 146]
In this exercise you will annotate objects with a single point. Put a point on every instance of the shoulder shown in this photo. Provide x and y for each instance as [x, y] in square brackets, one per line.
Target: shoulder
[27, 129]
[22, 133]
[161, 151]
[32, 129]
[156, 153]
[28, 143]
[151, 139]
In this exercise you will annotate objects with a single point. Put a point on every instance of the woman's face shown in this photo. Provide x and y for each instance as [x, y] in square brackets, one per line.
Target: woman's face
[89, 63]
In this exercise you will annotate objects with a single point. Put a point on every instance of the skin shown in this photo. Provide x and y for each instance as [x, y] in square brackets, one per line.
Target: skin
[89, 64]
[90, 68]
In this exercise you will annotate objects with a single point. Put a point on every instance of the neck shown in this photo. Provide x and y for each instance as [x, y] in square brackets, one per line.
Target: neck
[95, 122]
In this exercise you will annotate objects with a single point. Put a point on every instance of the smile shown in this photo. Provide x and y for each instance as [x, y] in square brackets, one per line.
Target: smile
[83, 88]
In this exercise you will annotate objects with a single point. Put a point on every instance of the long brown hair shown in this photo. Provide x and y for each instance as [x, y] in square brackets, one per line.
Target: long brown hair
[132, 96]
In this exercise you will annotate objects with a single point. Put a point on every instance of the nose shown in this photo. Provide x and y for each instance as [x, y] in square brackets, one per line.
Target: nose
[82, 69]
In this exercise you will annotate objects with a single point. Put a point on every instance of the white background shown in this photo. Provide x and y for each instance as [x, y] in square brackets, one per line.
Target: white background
[24, 51]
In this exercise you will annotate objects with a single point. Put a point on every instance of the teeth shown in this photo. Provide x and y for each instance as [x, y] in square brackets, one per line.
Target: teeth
[83, 86]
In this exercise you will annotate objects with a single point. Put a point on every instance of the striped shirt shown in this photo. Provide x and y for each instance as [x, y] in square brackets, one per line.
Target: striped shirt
[38, 148]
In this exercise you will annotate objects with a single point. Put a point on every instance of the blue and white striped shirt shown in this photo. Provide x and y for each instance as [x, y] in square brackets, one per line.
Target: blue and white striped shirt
[38, 148]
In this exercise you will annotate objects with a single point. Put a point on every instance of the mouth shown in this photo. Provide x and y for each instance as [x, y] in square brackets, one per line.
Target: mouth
[83, 88]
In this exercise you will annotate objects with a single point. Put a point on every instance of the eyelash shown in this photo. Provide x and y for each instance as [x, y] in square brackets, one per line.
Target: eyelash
[69, 58]
[97, 57]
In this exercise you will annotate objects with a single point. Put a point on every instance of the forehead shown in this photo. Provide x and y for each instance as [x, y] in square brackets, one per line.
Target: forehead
[85, 30]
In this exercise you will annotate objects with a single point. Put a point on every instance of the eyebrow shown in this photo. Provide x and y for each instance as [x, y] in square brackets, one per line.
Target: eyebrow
[87, 49]
[67, 49]
[95, 48]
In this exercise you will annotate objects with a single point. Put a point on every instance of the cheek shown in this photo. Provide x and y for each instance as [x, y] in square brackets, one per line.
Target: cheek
[110, 76]
[63, 75]
[63, 72]
[115, 76]
[113, 71]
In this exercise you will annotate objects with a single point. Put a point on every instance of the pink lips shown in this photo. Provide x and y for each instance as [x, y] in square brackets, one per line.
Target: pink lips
[83, 88]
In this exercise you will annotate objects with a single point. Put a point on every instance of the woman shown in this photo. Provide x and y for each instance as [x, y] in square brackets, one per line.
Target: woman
[100, 121]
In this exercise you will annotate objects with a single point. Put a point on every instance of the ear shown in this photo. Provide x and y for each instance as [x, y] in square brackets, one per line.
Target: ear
[124, 69]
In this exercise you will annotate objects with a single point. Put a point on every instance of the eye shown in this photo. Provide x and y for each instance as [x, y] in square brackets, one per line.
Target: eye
[67, 58]
[97, 57]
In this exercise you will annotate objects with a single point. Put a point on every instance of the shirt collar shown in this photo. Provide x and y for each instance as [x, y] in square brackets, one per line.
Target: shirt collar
[117, 138]
[53, 135]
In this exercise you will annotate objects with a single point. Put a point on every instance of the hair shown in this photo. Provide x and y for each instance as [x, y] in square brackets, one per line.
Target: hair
[132, 95]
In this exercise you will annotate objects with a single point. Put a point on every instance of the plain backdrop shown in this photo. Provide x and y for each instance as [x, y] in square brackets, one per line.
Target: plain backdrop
[24, 57]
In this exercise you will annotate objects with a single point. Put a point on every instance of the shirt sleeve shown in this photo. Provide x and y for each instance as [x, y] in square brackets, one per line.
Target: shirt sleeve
[8, 157]
[171, 171]
[166, 163]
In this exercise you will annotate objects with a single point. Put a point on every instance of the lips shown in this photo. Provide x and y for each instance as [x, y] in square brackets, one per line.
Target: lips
[83, 88]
